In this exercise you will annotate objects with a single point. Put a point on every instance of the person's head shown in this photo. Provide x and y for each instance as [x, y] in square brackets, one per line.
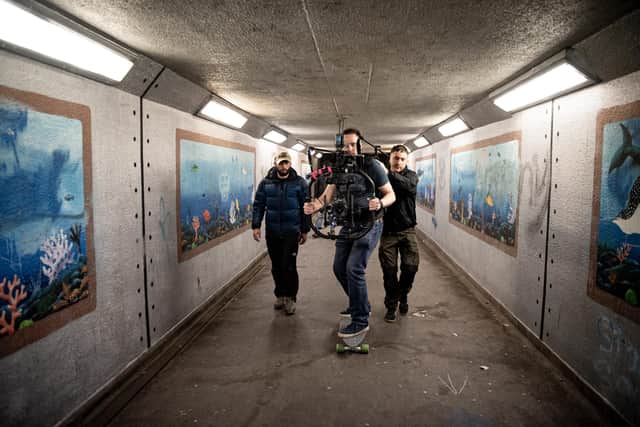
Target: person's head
[351, 140]
[398, 158]
[283, 164]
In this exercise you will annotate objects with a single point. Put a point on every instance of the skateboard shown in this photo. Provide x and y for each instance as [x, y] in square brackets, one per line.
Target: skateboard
[353, 344]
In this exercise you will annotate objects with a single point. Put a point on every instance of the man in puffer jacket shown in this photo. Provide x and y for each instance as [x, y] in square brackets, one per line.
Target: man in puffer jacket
[281, 194]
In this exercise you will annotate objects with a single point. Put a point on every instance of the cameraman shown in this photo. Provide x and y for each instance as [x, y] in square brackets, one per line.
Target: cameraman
[350, 261]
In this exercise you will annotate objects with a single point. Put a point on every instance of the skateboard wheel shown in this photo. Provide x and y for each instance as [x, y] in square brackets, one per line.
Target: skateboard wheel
[364, 348]
[339, 348]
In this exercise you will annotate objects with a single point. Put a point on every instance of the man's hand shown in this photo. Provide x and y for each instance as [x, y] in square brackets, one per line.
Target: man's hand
[256, 234]
[375, 204]
[302, 238]
[309, 208]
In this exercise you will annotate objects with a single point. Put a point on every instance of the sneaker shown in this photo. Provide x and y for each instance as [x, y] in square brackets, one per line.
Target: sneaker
[404, 308]
[351, 330]
[390, 316]
[279, 304]
[289, 306]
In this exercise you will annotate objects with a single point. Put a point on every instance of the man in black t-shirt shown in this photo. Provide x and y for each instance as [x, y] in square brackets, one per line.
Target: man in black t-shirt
[399, 235]
[351, 257]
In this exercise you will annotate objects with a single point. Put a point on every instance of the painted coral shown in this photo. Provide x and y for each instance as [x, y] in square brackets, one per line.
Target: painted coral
[57, 255]
[13, 299]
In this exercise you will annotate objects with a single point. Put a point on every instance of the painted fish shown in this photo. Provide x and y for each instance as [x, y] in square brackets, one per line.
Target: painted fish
[195, 167]
[489, 200]
[68, 197]
[206, 215]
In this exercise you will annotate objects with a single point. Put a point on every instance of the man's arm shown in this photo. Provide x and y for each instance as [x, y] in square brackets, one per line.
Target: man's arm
[404, 185]
[259, 204]
[317, 204]
[388, 198]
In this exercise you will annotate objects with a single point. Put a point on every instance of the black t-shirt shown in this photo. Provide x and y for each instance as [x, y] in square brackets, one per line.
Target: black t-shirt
[362, 192]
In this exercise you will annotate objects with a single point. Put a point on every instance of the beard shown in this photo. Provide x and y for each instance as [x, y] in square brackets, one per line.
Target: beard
[282, 174]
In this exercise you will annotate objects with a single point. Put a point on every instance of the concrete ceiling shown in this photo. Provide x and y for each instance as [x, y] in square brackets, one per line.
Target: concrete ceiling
[392, 68]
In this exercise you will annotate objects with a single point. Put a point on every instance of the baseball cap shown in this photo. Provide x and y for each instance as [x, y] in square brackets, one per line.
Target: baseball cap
[282, 156]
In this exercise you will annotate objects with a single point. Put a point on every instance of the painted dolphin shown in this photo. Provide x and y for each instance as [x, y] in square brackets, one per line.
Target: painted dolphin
[627, 150]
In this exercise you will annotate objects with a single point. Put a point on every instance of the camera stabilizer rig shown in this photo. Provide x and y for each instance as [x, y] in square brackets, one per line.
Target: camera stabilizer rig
[347, 214]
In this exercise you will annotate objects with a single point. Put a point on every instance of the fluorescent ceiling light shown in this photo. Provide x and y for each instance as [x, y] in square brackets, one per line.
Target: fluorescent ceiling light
[298, 147]
[558, 79]
[318, 155]
[420, 141]
[224, 114]
[276, 137]
[28, 31]
[453, 127]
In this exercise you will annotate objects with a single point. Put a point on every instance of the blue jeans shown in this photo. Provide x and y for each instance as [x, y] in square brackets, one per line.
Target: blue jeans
[349, 265]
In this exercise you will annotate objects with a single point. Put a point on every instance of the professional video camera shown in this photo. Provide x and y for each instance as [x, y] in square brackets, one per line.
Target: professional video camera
[347, 214]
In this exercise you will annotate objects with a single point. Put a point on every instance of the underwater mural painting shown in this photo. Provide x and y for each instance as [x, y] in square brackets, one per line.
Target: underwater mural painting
[215, 183]
[426, 169]
[47, 265]
[484, 196]
[614, 278]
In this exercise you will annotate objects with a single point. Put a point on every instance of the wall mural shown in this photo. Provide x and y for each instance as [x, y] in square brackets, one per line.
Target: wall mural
[47, 266]
[484, 190]
[614, 278]
[426, 169]
[215, 183]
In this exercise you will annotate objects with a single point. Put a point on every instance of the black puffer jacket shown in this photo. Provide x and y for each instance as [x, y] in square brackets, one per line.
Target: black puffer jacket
[282, 200]
[402, 214]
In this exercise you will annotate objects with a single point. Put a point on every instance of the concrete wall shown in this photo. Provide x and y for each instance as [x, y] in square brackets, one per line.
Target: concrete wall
[599, 344]
[43, 382]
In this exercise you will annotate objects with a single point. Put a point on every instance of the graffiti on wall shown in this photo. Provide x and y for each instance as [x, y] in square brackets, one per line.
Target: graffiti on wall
[215, 191]
[484, 190]
[617, 366]
[614, 278]
[533, 177]
[46, 244]
[426, 192]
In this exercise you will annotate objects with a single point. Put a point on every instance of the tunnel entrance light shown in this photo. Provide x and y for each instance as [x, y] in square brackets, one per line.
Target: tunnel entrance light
[454, 126]
[298, 147]
[223, 114]
[275, 136]
[27, 31]
[557, 80]
[420, 141]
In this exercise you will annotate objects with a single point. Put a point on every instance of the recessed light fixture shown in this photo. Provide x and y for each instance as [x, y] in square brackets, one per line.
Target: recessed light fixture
[420, 141]
[559, 79]
[275, 136]
[45, 37]
[221, 113]
[298, 147]
[454, 126]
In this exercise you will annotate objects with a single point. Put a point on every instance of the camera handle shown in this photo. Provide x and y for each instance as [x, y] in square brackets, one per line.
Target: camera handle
[328, 215]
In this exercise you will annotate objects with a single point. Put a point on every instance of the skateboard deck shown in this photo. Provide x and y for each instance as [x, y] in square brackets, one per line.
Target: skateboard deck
[354, 344]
